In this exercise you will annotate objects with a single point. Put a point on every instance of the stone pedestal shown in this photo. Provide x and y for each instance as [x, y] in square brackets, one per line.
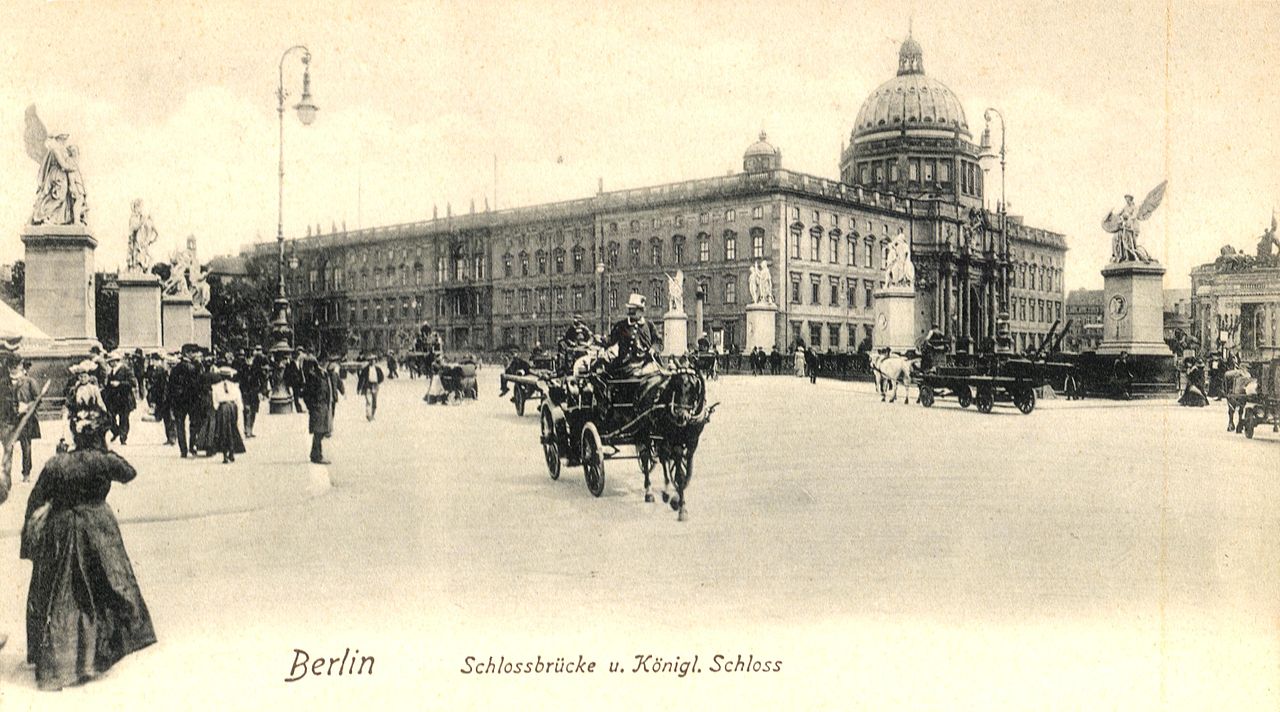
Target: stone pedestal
[675, 333]
[202, 327]
[139, 316]
[178, 324]
[59, 280]
[1133, 309]
[761, 326]
[895, 327]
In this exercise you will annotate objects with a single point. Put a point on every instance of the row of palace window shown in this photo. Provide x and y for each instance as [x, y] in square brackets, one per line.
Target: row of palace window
[854, 291]
[579, 262]
[832, 332]
[382, 311]
[922, 171]
[1046, 279]
[538, 301]
[832, 241]
[1041, 310]
[704, 218]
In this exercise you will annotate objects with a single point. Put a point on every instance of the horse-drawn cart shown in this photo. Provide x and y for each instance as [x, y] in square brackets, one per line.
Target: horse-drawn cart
[1263, 408]
[979, 387]
[586, 418]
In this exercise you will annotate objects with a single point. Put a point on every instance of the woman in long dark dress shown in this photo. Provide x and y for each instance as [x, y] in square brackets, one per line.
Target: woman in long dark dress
[84, 609]
[226, 416]
[1193, 395]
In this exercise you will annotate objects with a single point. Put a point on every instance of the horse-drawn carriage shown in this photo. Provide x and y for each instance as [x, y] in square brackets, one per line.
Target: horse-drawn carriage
[529, 380]
[587, 417]
[706, 364]
[452, 382]
[1261, 407]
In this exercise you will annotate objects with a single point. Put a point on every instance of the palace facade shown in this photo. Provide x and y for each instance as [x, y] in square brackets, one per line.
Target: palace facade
[514, 278]
[1235, 302]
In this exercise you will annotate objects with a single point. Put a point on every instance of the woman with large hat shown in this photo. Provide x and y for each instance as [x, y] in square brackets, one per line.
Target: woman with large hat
[84, 609]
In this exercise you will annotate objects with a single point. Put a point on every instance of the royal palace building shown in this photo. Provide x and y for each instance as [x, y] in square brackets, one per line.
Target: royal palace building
[514, 277]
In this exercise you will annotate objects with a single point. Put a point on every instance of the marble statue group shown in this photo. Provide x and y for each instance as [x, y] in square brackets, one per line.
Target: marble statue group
[899, 271]
[760, 283]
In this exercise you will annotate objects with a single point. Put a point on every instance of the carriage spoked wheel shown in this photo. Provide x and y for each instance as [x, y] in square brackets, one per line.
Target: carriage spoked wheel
[550, 450]
[592, 459]
[519, 398]
[926, 396]
[1025, 400]
[985, 400]
[964, 396]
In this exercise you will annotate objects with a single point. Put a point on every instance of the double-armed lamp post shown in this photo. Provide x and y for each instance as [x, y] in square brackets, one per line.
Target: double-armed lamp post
[281, 333]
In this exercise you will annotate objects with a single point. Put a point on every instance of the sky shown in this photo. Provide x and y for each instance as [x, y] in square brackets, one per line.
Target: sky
[174, 103]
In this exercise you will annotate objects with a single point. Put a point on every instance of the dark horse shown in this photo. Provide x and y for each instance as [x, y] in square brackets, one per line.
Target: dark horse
[674, 417]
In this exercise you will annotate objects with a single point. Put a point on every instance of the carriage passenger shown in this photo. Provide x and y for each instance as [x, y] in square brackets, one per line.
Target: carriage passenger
[636, 340]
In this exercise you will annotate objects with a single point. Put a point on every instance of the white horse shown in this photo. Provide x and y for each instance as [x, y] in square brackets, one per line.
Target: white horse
[890, 369]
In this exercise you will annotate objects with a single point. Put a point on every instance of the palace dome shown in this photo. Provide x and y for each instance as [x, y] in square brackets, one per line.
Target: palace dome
[911, 100]
[761, 156]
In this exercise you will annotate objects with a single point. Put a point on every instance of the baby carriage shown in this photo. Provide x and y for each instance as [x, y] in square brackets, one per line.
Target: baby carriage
[452, 383]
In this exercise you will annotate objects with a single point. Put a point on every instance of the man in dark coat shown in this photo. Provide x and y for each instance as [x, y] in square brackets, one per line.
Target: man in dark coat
[8, 418]
[321, 394]
[26, 394]
[182, 393]
[119, 395]
[253, 373]
[157, 377]
[811, 361]
[636, 339]
[294, 378]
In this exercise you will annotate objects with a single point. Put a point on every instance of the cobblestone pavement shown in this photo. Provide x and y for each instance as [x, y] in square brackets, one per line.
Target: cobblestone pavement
[1090, 555]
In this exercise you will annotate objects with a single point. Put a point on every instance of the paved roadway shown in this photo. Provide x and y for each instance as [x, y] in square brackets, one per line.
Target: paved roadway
[1090, 555]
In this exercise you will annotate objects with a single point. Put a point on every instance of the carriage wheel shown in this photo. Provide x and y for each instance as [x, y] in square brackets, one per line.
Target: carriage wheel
[592, 459]
[926, 396]
[964, 396]
[986, 399]
[1025, 400]
[519, 397]
[549, 448]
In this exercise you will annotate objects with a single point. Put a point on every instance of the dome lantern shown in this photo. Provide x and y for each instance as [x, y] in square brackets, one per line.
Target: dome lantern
[761, 156]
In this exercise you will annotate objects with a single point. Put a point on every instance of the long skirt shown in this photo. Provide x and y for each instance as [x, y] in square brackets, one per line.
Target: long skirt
[84, 609]
[226, 430]
[202, 421]
[1193, 397]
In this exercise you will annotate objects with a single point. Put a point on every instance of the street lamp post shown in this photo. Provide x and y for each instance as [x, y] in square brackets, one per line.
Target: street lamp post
[1003, 256]
[281, 334]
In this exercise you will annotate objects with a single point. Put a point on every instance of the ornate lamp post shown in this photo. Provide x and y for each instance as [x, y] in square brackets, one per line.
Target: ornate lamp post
[987, 156]
[281, 334]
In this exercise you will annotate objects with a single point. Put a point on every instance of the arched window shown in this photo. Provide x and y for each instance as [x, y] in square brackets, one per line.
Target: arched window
[506, 265]
[524, 263]
[578, 255]
[730, 245]
[655, 251]
[540, 258]
[730, 289]
[613, 255]
[559, 257]
[677, 247]
[633, 247]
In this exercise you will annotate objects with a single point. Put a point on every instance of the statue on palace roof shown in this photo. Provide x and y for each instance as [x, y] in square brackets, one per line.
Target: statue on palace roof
[1268, 241]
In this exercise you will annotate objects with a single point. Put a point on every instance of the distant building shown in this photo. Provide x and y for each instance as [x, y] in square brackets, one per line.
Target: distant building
[1084, 310]
[1235, 301]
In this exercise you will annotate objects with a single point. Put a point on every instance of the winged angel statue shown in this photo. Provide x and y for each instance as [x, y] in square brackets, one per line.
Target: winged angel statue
[1123, 226]
[60, 198]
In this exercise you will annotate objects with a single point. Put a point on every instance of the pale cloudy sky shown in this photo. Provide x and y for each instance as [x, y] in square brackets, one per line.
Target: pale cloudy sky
[174, 103]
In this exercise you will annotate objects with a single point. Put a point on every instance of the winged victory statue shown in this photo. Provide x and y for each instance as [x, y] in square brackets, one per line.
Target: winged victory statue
[60, 197]
[1124, 227]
